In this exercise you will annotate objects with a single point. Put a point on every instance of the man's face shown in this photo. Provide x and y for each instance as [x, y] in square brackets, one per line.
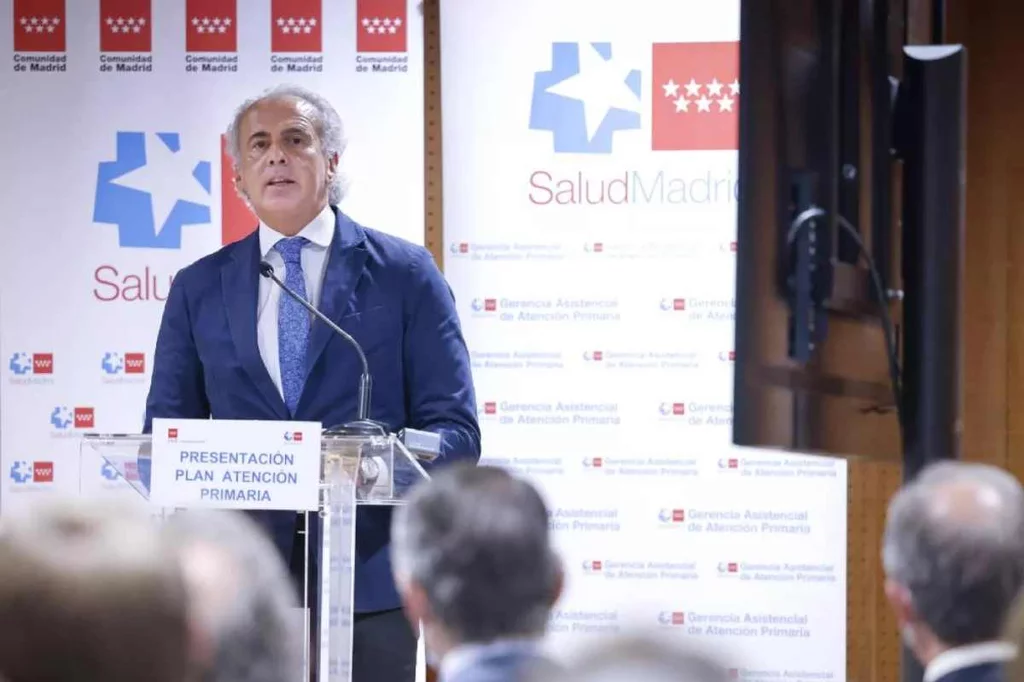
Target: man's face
[283, 169]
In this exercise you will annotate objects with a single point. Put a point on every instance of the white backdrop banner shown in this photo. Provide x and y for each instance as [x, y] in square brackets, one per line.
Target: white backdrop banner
[590, 218]
[113, 116]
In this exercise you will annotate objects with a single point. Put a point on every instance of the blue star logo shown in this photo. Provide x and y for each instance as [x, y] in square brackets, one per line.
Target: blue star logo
[109, 472]
[21, 363]
[585, 98]
[61, 417]
[112, 363]
[21, 472]
[152, 190]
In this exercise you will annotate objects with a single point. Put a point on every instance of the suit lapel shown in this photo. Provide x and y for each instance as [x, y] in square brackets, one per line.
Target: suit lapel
[344, 268]
[240, 285]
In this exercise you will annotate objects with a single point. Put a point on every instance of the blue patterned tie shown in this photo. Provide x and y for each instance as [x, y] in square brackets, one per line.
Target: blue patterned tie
[292, 323]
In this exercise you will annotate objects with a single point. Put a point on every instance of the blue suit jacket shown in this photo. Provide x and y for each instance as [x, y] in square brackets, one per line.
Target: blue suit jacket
[385, 292]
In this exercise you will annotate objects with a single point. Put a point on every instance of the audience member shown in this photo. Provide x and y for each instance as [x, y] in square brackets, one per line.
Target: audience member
[953, 555]
[244, 615]
[473, 562]
[89, 593]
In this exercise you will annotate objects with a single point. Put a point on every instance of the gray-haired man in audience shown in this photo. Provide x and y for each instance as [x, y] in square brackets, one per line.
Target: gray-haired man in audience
[473, 562]
[244, 622]
[89, 593]
[954, 560]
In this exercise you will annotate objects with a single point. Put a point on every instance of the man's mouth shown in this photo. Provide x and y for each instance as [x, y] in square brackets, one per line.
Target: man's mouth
[280, 181]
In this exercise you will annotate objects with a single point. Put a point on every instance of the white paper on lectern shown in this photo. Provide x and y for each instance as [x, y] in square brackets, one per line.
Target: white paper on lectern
[236, 464]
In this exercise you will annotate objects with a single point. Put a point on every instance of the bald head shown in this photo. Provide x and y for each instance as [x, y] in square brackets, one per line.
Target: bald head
[954, 540]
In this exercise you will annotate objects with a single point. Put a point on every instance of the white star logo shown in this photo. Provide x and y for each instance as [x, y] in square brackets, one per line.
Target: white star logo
[715, 88]
[167, 177]
[682, 104]
[671, 88]
[703, 104]
[734, 87]
[725, 103]
[692, 88]
[600, 85]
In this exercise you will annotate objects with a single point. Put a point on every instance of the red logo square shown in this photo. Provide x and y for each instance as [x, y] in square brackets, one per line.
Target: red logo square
[679, 304]
[598, 355]
[463, 247]
[85, 418]
[236, 218]
[126, 26]
[295, 25]
[595, 565]
[490, 408]
[172, 434]
[733, 567]
[134, 363]
[678, 408]
[678, 515]
[490, 304]
[598, 247]
[42, 472]
[734, 463]
[42, 363]
[211, 26]
[39, 25]
[381, 25]
[696, 96]
[598, 462]
[297, 436]
[678, 618]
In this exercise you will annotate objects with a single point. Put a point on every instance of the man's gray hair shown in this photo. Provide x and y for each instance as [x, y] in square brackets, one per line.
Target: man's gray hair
[476, 540]
[242, 596]
[329, 129]
[954, 539]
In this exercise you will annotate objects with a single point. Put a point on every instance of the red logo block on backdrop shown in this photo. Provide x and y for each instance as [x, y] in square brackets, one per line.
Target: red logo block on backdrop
[236, 220]
[126, 26]
[381, 25]
[295, 25]
[39, 25]
[211, 26]
[42, 472]
[696, 93]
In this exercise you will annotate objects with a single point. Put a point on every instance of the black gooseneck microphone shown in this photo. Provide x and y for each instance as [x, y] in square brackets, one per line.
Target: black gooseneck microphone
[363, 424]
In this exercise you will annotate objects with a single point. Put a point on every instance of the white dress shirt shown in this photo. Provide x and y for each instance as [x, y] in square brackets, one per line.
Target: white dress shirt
[319, 232]
[968, 656]
[466, 656]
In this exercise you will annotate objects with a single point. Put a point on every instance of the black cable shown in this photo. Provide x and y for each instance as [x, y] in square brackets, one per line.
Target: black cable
[895, 374]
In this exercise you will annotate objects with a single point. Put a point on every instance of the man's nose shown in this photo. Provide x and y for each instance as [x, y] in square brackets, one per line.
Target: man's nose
[276, 154]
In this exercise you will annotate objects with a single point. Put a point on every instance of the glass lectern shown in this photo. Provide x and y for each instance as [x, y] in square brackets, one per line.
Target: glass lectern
[356, 469]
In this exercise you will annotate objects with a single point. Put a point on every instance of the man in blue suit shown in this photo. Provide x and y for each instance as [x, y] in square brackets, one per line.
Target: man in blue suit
[233, 346]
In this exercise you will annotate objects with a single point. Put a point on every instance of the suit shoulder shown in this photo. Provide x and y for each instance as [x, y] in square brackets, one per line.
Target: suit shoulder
[208, 267]
[394, 251]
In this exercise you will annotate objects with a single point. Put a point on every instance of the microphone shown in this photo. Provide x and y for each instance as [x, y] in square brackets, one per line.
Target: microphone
[363, 423]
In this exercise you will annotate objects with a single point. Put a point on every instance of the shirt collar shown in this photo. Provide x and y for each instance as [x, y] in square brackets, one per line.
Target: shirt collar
[968, 656]
[467, 655]
[319, 231]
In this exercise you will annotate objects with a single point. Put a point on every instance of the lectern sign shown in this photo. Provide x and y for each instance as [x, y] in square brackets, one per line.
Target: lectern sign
[235, 464]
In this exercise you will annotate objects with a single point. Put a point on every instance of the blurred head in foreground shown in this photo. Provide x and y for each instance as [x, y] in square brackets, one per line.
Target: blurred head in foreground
[89, 593]
[473, 560]
[243, 612]
[953, 554]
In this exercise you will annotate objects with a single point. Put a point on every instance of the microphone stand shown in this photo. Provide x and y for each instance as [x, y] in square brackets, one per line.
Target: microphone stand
[363, 425]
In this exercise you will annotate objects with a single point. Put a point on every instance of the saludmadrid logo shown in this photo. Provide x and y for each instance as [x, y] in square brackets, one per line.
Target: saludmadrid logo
[728, 624]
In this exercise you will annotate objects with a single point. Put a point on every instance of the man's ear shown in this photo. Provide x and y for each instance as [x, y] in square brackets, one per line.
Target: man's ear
[415, 604]
[332, 164]
[901, 602]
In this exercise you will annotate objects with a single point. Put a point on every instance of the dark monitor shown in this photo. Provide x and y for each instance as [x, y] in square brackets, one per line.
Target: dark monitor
[814, 353]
